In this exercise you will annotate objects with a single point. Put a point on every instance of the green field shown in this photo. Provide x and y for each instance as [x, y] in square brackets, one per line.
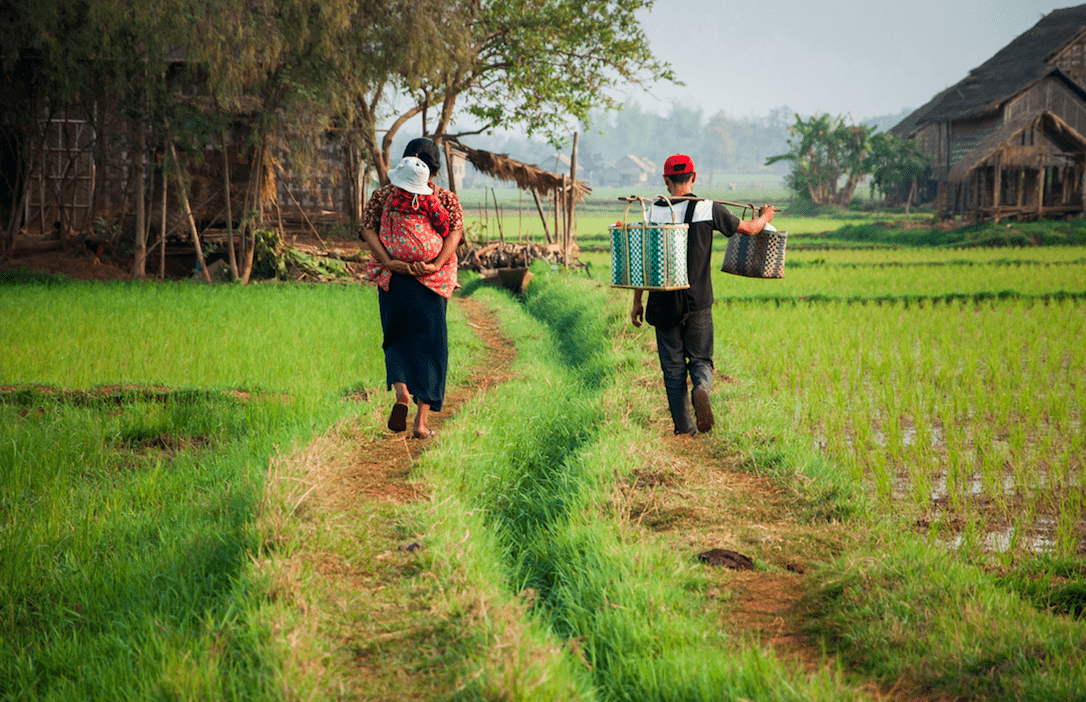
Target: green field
[920, 411]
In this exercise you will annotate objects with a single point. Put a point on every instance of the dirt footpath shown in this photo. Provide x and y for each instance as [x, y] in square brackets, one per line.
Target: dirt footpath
[696, 501]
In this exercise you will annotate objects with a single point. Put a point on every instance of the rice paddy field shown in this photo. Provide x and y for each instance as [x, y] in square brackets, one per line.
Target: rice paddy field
[952, 384]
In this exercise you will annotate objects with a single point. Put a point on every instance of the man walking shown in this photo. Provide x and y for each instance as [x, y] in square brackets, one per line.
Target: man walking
[684, 318]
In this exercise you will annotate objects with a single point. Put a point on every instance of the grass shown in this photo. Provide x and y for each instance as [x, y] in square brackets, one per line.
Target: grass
[133, 451]
[303, 341]
[909, 612]
[165, 533]
[116, 542]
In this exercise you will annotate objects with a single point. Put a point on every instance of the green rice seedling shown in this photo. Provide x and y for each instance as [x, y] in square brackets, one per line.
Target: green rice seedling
[922, 282]
[959, 370]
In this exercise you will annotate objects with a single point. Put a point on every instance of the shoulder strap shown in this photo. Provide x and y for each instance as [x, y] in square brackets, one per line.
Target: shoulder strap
[691, 205]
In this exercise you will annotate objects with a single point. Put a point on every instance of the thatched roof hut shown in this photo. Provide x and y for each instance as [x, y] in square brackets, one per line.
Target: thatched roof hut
[1009, 140]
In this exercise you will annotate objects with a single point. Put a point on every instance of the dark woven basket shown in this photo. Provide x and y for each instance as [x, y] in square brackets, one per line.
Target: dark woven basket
[758, 256]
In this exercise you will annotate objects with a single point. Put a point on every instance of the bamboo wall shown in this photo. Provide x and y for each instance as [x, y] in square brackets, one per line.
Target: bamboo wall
[83, 173]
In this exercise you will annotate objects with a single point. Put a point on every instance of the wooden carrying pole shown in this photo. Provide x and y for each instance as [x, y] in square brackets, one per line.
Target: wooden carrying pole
[680, 198]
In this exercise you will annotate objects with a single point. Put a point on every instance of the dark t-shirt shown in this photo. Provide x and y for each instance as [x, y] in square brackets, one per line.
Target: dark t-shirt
[708, 217]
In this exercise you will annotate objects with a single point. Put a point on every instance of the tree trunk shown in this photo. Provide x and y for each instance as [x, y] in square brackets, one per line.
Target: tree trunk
[254, 202]
[229, 210]
[139, 265]
[356, 190]
[449, 167]
[384, 162]
[162, 230]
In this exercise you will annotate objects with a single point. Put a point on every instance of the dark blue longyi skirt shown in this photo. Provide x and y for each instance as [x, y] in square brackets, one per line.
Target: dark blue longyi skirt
[416, 339]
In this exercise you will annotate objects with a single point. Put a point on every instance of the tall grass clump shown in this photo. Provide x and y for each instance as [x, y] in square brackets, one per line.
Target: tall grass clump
[532, 466]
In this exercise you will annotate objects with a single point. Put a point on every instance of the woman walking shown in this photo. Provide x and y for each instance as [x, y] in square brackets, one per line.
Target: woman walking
[414, 265]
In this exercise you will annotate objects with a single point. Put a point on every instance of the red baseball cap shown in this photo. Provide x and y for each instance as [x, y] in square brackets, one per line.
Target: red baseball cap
[678, 164]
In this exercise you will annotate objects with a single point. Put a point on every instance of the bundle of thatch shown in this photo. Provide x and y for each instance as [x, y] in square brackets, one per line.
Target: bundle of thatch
[526, 176]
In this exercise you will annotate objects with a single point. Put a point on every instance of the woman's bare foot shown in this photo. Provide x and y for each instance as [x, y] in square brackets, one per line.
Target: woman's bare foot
[421, 430]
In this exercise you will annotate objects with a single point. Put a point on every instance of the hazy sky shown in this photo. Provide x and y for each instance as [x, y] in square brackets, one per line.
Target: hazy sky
[865, 59]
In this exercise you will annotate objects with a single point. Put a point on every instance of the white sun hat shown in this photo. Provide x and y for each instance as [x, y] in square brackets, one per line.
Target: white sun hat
[412, 175]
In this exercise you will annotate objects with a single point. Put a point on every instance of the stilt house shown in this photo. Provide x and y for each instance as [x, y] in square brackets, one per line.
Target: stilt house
[1009, 140]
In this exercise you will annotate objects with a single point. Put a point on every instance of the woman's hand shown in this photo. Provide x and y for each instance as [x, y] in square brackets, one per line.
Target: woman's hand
[401, 267]
[423, 268]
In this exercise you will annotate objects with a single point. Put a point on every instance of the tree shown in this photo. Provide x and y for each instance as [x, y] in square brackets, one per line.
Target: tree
[539, 65]
[721, 143]
[895, 162]
[822, 151]
[269, 59]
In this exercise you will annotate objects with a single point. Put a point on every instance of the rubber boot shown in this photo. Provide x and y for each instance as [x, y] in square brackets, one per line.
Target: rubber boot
[679, 405]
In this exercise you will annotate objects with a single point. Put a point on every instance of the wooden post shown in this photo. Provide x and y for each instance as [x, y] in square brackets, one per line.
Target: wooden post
[497, 215]
[558, 239]
[1083, 191]
[572, 204]
[543, 216]
[1040, 185]
[998, 186]
[563, 198]
[449, 167]
[486, 216]
[949, 144]
[981, 187]
[139, 265]
[188, 211]
[162, 231]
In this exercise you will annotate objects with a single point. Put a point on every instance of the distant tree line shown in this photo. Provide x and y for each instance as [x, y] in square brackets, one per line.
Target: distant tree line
[718, 144]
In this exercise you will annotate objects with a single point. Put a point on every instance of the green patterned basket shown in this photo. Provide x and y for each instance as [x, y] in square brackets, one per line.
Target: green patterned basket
[648, 256]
